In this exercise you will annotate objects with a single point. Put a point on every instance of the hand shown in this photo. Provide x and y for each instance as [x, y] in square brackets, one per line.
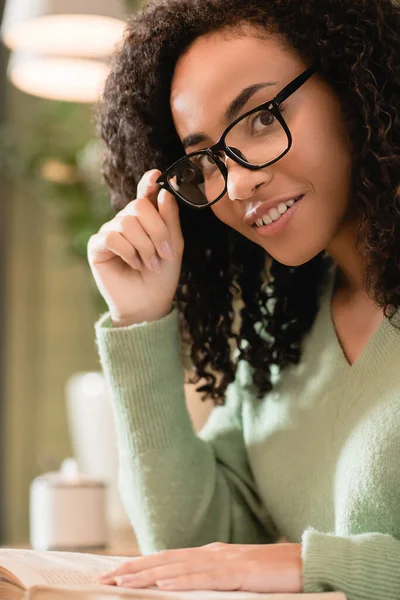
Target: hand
[136, 257]
[270, 568]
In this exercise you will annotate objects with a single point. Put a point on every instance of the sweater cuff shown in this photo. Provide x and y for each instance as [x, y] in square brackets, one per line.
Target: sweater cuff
[363, 567]
[142, 365]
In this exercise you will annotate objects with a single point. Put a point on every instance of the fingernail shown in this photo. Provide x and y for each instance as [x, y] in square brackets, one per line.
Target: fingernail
[106, 578]
[155, 264]
[167, 251]
[137, 263]
[106, 575]
[126, 579]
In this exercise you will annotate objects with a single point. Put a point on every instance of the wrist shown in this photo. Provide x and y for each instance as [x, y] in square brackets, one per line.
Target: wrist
[299, 567]
[128, 320]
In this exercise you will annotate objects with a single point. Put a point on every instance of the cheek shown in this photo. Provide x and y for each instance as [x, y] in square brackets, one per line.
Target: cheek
[319, 145]
[221, 211]
[224, 210]
[322, 154]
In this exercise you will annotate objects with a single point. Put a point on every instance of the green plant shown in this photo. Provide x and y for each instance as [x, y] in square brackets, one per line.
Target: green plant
[54, 150]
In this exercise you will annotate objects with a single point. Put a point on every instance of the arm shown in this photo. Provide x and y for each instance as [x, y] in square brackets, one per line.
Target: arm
[364, 566]
[179, 489]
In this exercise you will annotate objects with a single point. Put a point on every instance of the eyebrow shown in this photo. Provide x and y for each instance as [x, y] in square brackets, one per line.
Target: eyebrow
[230, 113]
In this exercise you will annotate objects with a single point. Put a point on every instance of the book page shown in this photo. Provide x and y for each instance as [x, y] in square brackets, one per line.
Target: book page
[32, 567]
[72, 575]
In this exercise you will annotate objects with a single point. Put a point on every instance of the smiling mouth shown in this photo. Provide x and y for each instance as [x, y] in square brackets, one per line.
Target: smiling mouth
[268, 219]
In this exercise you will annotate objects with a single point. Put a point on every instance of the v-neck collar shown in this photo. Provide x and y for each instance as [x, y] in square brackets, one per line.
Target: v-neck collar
[377, 345]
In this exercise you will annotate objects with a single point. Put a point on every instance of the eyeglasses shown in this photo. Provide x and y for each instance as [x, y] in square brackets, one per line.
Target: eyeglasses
[255, 140]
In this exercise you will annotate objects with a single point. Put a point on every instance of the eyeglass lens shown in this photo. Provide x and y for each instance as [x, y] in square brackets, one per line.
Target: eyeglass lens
[259, 138]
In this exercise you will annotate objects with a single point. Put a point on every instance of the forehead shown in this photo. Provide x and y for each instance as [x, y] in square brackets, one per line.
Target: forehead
[217, 67]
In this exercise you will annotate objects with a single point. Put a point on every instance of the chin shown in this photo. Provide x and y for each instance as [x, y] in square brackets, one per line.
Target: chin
[292, 258]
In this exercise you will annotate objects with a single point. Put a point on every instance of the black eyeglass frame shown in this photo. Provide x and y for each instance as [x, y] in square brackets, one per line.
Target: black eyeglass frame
[273, 107]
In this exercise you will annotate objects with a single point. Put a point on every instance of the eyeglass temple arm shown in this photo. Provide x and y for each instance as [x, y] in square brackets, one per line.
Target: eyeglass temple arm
[295, 84]
[283, 94]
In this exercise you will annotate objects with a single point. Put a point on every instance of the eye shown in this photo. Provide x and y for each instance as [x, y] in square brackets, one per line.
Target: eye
[262, 120]
[188, 174]
[205, 162]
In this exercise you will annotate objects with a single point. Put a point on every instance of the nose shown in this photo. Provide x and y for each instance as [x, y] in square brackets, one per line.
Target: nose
[242, 183]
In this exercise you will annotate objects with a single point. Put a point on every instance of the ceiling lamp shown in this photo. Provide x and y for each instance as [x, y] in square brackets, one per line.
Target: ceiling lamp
[58, 78]
[84, 28]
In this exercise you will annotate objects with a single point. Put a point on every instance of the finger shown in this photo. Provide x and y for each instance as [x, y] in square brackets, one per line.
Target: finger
[150, 576]
[214, 579]
[105, 245]
[147, 186]
[169, 211]
[120, 246]
[142, 563]
[97, 250]
[155, 227]
[130, 228]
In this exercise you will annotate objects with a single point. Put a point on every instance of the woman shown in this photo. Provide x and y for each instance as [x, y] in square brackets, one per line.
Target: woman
[263, 139]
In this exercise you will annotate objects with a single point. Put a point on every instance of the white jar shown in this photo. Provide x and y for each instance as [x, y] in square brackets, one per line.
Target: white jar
[68, 511]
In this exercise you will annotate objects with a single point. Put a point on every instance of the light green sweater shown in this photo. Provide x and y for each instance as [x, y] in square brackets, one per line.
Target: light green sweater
[317, 460]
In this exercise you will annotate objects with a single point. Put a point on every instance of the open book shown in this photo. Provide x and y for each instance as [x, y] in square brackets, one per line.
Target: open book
[44, 575]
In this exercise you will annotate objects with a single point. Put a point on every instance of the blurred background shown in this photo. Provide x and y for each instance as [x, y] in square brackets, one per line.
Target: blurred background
[53, 61]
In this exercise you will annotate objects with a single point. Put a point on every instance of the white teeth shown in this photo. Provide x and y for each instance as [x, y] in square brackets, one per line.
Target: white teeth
[275, 213]
[267, 220]
[282, 208]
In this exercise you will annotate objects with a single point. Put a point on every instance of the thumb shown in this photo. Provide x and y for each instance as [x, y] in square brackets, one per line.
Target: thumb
[169, 211]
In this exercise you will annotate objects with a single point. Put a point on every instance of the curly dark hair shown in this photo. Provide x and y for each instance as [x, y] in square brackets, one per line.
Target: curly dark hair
[357, 46]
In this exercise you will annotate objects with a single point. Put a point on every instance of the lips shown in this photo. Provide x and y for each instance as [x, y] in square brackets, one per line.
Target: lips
[262, 209]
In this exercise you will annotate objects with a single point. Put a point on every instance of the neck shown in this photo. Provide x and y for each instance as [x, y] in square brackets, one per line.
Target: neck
[350, 277]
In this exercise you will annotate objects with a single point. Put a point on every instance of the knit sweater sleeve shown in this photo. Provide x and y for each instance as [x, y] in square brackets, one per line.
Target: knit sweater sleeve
[179, 489]
[364, 566]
